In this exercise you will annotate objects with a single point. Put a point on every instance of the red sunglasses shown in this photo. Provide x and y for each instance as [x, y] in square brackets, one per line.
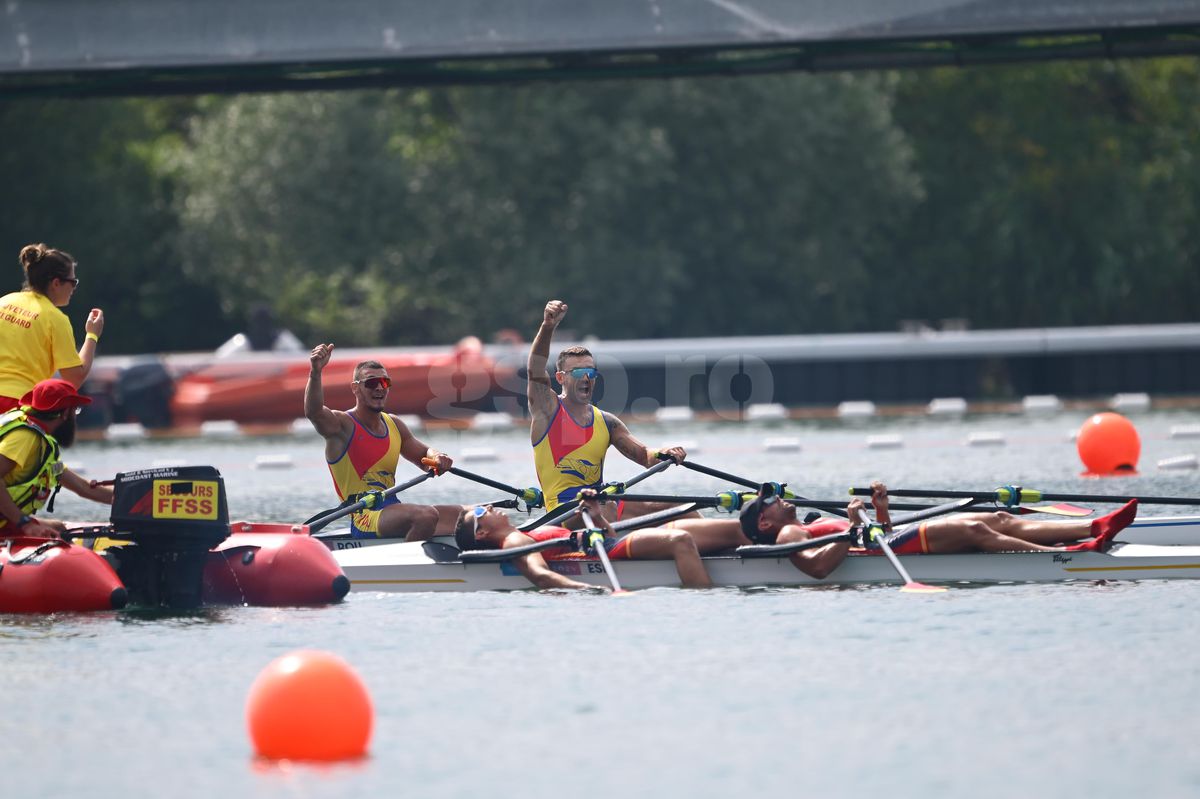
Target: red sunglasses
[373, 383]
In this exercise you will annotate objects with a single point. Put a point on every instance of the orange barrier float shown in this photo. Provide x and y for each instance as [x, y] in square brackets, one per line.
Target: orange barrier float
[46, 575]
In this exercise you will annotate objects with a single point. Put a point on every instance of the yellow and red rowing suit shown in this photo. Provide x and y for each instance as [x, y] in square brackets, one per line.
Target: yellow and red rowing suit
[570, 456]
[367, 464]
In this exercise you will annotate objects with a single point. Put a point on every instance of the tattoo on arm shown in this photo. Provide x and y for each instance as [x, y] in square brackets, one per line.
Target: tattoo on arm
[624, 441]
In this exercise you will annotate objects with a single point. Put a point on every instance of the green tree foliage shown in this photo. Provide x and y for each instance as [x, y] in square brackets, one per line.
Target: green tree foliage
[656, 208]
[1057, 194]
[1034, 195]
[86, 177]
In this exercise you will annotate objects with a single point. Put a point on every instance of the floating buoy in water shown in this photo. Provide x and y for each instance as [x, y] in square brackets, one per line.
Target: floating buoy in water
[309, 705]
[1108, 445]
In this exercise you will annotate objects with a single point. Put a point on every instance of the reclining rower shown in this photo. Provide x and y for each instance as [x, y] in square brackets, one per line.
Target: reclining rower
[484, 527]
[769, 520]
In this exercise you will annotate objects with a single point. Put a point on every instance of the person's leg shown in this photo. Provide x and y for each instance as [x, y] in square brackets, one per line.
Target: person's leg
[1049, 532]
[410, 522]
[661, 544]
[1038, 531]
[967, 533]
[711, 535]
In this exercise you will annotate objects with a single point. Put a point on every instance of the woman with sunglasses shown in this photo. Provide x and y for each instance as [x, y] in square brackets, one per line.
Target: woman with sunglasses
[36, 339]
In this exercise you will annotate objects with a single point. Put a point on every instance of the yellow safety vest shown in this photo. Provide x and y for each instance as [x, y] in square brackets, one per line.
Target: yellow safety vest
[33, 492]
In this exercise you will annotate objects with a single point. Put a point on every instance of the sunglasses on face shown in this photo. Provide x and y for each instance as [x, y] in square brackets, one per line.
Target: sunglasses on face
[373, 383]
[767, 502]
[74, 281]
[589, 372]
[476, 514]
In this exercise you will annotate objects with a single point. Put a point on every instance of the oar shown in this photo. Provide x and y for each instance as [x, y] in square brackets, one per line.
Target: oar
[910, 586]
[837, 509]
[532, 496]
[593, 533]
[337, 513]
[1015, 494]
[565, 509]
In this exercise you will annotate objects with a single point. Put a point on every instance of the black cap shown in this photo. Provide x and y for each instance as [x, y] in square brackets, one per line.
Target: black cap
[749, 519]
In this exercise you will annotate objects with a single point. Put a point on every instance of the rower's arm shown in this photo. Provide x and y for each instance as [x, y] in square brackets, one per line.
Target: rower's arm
[323, 419]
[415, 452]
[625, 443]
[879, 499]
[84, 488]
[543, 402]
[533, 567]
[817, 563]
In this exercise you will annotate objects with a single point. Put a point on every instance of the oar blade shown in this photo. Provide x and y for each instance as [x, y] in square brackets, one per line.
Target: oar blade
[921, 588]
[1062, 509]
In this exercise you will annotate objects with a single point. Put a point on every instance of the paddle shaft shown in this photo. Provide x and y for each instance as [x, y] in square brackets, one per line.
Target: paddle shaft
[608, 567]
[487, 481]
[334, 515]
[819, 504]
[1039, 496]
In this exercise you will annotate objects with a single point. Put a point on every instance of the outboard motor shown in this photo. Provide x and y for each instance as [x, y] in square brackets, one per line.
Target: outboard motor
[173, 516]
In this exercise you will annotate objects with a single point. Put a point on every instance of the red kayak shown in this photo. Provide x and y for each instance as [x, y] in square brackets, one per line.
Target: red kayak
[272, 565]
[46, 575]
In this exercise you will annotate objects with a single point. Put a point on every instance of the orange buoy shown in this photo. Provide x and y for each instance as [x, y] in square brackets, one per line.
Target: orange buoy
[309, 705]
[1108, 444]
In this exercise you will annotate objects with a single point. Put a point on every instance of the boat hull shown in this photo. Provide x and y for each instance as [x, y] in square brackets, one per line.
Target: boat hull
[41, 575]
[409, 567]
[272, 565]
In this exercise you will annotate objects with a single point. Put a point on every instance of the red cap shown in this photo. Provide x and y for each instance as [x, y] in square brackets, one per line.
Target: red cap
[54, 395]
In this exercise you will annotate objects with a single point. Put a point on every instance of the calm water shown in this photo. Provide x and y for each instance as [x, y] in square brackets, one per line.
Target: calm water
[998, 691]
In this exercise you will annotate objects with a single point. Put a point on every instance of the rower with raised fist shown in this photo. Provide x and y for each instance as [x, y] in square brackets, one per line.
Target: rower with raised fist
[570, 435]
[363, 447]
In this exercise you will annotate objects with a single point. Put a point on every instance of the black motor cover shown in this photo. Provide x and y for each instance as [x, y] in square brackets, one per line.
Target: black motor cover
[174, 516]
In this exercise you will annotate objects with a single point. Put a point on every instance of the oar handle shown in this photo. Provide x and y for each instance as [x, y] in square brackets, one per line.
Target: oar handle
[532, 496]
[322, 521]
[743, 481]
[711, 472]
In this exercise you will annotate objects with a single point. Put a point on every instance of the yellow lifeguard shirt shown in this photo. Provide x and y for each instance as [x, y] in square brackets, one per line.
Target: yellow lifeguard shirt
[570, 456]
[36, 341]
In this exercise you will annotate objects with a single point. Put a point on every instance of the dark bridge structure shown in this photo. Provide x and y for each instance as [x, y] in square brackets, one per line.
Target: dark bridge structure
[148, 47]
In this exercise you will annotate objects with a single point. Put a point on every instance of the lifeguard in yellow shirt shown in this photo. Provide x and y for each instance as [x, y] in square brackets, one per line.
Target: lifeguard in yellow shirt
[570, 435]
[36, 339]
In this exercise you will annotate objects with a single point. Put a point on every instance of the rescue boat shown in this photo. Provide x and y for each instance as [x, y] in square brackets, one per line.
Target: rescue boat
[46, 575]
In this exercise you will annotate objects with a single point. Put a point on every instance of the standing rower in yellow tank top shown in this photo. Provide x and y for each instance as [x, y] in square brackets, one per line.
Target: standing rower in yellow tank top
[35, 336]
[570, 436]
[364, 445]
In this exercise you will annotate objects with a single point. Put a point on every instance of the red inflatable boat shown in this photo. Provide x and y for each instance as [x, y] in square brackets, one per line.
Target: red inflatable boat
[46, 575]
[272, 564]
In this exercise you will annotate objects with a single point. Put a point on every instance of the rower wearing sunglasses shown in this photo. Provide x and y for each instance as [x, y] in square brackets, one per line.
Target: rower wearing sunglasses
[363, 447]
[485, 527]
[570, 435]
[768, 519]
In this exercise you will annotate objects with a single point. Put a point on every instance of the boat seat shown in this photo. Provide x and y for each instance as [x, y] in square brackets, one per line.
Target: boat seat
[440, 551]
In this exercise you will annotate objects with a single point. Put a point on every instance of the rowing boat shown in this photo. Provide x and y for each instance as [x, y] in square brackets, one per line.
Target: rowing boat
[436, 566]
[1157, 530]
